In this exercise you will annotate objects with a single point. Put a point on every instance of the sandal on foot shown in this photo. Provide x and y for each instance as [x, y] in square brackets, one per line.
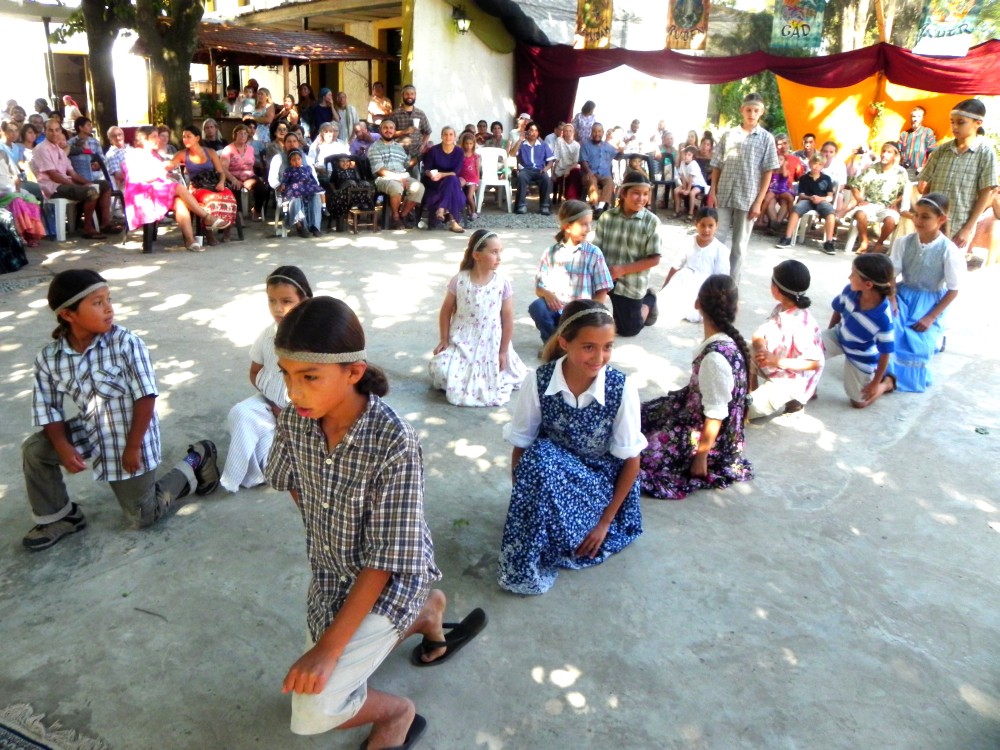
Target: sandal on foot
[412, 734]
[460, 633]
[456, 227]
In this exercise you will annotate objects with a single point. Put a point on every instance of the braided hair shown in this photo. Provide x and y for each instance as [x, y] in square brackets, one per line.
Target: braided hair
[718, 299]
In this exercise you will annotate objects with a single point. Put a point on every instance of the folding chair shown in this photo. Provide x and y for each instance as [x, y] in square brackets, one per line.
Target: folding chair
[494, 162]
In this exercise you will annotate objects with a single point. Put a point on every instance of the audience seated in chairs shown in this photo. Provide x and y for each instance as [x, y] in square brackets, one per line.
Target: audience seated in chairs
[304, 210]
[58, 179]
[347, 189]
[207, 177]
[566, 169]
[150, 193]
[390, 164]
[240, 160]
[534, 160]
[596, 157]
[878, 192]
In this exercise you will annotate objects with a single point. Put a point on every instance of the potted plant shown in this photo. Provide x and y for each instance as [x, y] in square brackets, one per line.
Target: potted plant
[211, 107]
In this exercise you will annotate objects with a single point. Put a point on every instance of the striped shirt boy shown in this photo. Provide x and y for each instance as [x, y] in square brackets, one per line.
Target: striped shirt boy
[864, 335]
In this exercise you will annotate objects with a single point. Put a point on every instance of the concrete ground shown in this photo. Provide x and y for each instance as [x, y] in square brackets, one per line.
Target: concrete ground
[845, 598]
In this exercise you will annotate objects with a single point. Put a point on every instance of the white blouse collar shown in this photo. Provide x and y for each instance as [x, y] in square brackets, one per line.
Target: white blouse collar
[558, 383]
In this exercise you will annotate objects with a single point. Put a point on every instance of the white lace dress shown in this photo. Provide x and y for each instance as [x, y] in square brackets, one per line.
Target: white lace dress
[468, 371]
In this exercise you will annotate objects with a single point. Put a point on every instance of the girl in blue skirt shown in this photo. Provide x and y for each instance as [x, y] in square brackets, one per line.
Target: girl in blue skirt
[576, 437]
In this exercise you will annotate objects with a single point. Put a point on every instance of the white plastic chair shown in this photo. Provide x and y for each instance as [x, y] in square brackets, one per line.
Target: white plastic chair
[904, 205]
[494, 162]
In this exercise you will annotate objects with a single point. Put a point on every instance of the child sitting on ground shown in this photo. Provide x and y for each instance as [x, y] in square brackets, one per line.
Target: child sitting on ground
[706, 256]
[932, 269]
[691, 185]
[571, 269]
[474, 362]
[861, 329]
[106, 371]
[252, 421]
[576, 437]
[787, 348]
[695, 434]
[354, 470]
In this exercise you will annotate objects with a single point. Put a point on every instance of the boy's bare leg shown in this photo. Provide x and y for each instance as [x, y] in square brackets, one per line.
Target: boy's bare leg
[390, 717]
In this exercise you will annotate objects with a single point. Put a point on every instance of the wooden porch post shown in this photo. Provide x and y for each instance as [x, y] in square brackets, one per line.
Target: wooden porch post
[286, 70]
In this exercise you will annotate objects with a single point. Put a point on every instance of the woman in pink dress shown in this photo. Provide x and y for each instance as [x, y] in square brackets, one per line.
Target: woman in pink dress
[149, 193]
[239, 158]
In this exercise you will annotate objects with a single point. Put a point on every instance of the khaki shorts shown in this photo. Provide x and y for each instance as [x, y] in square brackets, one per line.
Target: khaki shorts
[854, 379]
[414, 191]
[874, 212]
[347, 689]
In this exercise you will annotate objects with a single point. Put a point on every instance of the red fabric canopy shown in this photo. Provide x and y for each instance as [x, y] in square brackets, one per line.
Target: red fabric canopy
[547, 77]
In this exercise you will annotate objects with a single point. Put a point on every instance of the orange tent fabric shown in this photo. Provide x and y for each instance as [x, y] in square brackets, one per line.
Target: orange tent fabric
[842, 114]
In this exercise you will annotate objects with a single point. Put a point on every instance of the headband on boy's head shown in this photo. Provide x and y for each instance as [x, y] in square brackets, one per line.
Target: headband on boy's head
[564, 323]
[80, 295]
[323, 358]
[967, 113]
[786, 290]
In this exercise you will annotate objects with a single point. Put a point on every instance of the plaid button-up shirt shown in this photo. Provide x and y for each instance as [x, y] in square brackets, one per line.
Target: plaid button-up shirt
[742, 158]
[626, 239]
[363, 507]
[960, 176]
[573, 272]
[104, 382]
[404, 120]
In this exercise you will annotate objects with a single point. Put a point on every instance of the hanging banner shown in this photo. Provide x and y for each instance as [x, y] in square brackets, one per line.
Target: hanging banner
[687, 24]
[798, 24]
[593, 24]
[946, 29]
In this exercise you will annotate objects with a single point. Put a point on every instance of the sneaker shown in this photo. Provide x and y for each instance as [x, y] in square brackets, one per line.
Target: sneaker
[301, 230]
[784, 242]
[207, 472]
[521, 210]
[828, 248]
[314, 232]
[44, 536]
[545, 211]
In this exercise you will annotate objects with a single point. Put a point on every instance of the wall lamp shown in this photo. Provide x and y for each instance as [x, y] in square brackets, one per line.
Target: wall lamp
[462, 22]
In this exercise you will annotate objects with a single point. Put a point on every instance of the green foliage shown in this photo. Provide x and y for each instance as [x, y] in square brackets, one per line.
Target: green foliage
[211, 107]
[730, 97]
[117, 14]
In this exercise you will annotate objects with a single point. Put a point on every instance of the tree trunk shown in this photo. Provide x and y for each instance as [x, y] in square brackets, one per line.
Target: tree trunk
[171, 42]
[102, 31]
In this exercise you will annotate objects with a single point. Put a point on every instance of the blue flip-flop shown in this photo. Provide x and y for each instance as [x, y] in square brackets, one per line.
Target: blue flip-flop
[459, 634]
[412, 734]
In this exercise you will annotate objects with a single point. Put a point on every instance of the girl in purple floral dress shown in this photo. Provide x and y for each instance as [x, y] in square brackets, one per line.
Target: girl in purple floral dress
[695, 434]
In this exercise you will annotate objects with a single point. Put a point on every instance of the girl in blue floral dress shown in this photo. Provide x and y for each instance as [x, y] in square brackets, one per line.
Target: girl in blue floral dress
[576, 437]
[695, 434]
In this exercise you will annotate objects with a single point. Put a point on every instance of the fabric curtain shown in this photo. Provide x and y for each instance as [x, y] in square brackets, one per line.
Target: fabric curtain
[547, 77]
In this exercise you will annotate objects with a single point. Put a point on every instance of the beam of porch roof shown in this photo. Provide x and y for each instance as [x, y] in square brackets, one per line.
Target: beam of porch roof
[330, 8]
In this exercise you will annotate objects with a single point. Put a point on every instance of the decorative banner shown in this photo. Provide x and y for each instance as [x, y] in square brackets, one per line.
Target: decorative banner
[687, 24]
[946, 30]
[593, 24]
[798, 24]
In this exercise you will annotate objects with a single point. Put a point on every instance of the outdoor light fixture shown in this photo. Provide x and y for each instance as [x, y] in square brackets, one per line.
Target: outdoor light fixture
[462, 22]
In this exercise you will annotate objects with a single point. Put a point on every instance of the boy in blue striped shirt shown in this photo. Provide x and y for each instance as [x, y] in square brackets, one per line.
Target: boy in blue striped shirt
[861, 329]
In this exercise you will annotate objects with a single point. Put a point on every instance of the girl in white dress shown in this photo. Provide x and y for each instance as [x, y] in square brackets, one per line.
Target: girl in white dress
[703, 258]
[474, 363]
[252, 421]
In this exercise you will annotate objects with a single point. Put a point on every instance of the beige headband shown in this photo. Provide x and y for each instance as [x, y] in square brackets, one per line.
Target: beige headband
[576, 216]
[786, 290]
[967, 113]
[80, 295]
[564, 323]
[483, 239]
[323, 358]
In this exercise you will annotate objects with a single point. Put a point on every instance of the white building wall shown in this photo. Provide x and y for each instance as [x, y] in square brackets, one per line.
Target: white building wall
[25, 42]
[458, 78]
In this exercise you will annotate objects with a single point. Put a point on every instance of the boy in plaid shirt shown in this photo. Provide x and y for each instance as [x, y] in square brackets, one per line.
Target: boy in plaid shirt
[741, 173]
[106, 371]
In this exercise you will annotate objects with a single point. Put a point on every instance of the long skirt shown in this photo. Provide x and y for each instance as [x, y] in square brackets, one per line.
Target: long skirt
[12, 255]
[914, 349]
[27, 216]
[219, 205]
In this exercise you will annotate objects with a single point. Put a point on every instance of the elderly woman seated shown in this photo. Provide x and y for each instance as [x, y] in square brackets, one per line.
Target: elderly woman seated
[326, 144]
[150, 194]
[24, 208]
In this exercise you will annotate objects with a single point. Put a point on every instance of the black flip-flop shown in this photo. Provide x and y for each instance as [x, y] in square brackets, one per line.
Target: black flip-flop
[459, 634]
[412, 734]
